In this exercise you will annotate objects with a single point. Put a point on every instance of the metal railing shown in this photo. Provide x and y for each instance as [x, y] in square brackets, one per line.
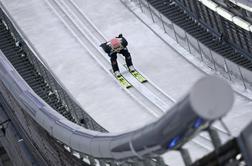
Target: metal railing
[213, 60]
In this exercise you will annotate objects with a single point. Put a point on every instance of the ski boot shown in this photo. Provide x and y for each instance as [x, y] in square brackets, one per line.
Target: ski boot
[117, 73]
[131, 68]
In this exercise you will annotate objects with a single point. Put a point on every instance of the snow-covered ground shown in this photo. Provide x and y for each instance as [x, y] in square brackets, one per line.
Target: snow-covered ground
[96, 91]
[93, 88]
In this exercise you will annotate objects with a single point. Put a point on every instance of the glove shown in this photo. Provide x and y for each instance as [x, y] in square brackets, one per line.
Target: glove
[102, 45]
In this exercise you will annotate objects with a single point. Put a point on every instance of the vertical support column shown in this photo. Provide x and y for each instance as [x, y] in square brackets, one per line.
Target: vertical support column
[227, 69]
[140, 5]
[175, 33]
[214, 137]
[187, 40]
[201, 56]
[242, 77]
[186, 156]
[162, 21]
[152, 17]
[213, 61]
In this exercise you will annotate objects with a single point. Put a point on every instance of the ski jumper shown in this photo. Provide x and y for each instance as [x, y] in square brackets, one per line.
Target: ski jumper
[114, 46]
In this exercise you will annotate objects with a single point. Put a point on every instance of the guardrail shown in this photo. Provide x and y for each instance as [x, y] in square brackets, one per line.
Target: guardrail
[168, 133]
[213, 60]
[220, 21]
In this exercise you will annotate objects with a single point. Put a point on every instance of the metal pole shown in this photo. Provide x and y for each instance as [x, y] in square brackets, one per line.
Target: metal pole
[186, 156]
[201, 56]
[213, 61]
[188, 42]
[175, 33]
[150, 12]
[214, 137]
[242, 77]
[226, 67]
[140, 5]
[162, 21]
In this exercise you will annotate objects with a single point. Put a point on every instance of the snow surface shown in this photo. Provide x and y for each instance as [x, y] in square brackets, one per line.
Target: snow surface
[97, 92]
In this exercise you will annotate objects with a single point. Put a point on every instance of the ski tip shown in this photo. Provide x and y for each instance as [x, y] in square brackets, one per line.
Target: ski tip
[128, 87]
[144, 81]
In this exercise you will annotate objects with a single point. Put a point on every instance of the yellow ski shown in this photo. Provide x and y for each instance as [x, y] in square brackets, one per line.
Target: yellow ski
[137, 75]
[123, 82]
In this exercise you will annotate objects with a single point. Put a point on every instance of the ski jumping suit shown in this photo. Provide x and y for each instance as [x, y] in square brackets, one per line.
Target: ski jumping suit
[114, 46]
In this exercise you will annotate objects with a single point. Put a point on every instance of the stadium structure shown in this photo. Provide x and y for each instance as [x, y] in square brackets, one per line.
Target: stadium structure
[60, 104]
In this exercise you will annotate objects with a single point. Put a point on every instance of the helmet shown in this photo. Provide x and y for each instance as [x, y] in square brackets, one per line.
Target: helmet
[115, 43]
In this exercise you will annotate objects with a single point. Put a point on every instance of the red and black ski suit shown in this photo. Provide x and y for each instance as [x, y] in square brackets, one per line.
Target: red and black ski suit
[114, 46]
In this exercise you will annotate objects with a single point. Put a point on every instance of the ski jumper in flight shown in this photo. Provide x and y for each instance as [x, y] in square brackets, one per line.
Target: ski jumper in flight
[114, 46]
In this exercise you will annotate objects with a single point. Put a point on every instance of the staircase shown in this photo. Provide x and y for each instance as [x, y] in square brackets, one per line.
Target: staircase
[178, 16]
[12, 49]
